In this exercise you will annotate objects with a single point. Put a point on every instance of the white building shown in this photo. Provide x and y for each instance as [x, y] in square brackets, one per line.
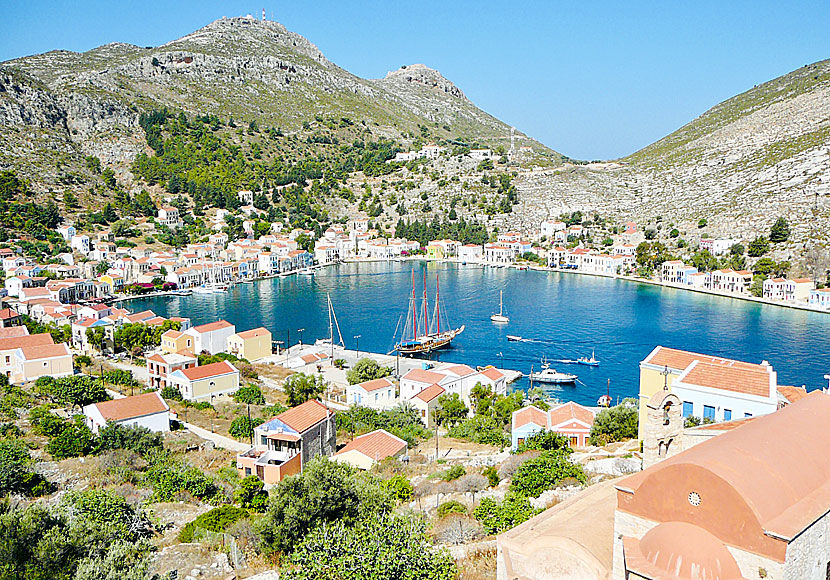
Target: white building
[148, 410]
[550, 227]
[246, 197]
[470, 253]
[80, 243]
[169, 216]
[717, 246]
[820, 298]
[376, 394]
[211, 338]
[481, 154]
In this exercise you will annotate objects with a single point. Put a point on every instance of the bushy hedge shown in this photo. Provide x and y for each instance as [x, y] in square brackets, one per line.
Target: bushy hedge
[497, 517]
[544, 472]
[216, 520]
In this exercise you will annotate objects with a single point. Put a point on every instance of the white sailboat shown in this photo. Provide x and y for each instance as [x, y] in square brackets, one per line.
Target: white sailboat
[500, 317]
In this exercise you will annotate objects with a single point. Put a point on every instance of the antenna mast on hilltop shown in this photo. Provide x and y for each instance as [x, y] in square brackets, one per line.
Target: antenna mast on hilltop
[263, 14]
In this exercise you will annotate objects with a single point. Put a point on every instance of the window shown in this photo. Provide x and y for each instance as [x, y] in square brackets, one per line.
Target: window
[747, 415]
[45, 364]
[688, 409]
[727, 414]
[708, 412]
[666, 410]
[247, 471]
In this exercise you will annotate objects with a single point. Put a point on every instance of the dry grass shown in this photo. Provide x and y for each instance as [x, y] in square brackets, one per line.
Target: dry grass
[478, 565]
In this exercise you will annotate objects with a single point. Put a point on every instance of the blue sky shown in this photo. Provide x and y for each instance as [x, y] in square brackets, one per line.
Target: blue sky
[593, 80]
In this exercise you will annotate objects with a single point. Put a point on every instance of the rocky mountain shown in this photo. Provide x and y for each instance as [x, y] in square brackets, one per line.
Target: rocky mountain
[762, 154]
[59, 106]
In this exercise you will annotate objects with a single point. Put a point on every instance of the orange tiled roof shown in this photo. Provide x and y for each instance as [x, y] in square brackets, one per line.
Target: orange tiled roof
[261, 331]
[26, 340]
[376, 445]
[45, 351]
[679, 360]
[211, 326]
[423, 376]
[211, 370]
[130, 407]
[728, 377]
[375, 384]
[528, 415]
[570, 411]
[304, 416]
[430, 393]
[493, 374]
[13, 332]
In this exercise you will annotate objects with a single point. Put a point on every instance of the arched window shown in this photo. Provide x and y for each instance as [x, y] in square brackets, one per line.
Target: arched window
[666, 410]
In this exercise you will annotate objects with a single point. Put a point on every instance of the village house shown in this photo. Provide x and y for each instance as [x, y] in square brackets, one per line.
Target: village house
[205, 382]
[717, 246]
[32, 362]
[367, 450]
[416, 380]
[160, 365]
[569, 419]
[376, 394]
[169, 216]
[470, 253]
[10, 341]
[283, 445]
[820, 298]
[211, 338]
[251, 345]
[148, 410]
[425, 402]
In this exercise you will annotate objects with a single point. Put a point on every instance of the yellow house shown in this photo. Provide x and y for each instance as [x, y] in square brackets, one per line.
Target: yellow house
[205, 382]
[174, 341]
[33, 362]
[435, 252]
[115, 281]
[251, 344]
[657, 370]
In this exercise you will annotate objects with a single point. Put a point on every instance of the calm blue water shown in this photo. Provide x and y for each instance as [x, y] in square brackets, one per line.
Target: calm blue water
[569, 315]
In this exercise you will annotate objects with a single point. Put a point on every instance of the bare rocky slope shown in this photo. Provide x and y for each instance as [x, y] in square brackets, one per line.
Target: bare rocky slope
[59, 106]
[759, 155]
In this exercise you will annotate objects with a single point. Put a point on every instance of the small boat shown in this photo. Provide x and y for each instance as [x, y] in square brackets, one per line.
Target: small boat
[549, 375]
[182, 292]
[306, 272]
[500, 317]
[591, 362]
[604, 401]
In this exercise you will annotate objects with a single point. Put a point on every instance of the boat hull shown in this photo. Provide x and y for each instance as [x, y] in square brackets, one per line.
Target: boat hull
[499, 318]
[553, 381]
[429, 343]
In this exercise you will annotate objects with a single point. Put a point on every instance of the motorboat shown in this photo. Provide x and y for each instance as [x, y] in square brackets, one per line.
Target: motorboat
[549, 375]
[306, 272]
[591, 362]
[500, 316]
[604, 401]
[513, 338]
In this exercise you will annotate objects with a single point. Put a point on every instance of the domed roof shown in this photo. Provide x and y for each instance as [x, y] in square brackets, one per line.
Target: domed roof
[681, 551]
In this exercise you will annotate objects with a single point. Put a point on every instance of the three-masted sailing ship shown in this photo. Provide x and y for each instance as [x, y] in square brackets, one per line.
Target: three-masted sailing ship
[423, 334]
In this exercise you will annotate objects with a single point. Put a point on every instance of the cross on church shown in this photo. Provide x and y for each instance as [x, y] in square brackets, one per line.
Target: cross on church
[665, 374]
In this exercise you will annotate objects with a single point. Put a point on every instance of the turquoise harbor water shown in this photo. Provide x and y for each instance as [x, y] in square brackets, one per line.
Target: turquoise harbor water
[566, 315]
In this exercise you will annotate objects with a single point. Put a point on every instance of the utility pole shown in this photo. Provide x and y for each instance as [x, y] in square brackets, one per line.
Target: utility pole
[300, 330]
[250, 426]
[357, 340]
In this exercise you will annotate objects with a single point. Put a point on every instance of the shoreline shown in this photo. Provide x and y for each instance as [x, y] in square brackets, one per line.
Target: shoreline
[520, 267]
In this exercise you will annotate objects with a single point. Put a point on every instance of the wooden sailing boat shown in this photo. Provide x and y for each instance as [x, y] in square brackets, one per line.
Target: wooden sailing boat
[500, 317]
[431, 337]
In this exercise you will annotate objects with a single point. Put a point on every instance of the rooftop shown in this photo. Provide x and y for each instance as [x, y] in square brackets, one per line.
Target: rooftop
[304, 416]
[130, 407]
[376, 445]
[211, 370]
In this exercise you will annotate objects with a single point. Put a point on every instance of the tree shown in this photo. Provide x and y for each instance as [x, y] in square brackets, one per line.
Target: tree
[16, 475]
[133, 437]
[764, 267]
[367, 369]
[243, 427]
[75, 440]
[450, 410]
[400, 486]
[301, 387]
[780, 231]
[250, 394]
[323, 493]
[122, 561]
[651, 255]
[387, 547]
[76, 390]
[758, 247]
[251, 495]
[545, 472]
[704, 261]
[615, 424]
[545, 441]
[96, 337]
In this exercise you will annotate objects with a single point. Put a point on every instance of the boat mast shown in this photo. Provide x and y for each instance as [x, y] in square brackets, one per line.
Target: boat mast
[414, 309]
[426, 314]
[501, 303]
[438, 303]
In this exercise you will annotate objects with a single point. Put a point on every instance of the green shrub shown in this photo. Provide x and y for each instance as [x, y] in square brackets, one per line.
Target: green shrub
[367, 369]
[492, 475]
[16, 475]
[171, 393]
[615, 424]
[168, 477]
[135, 438]
[400, 486]
[75, 440]
[251, 495]
[481, 429]
[272, 410]
[498, 517]
[216, 520]
[544, 472]
[451, 507]
[45, 422]
[544, 441]
[453, 473]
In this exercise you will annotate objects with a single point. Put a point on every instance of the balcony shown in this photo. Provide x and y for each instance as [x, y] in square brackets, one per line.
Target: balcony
[269, 466]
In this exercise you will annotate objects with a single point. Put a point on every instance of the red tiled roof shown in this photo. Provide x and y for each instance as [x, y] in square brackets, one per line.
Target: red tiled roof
[211, 326]
[423, 376]
[130, 407]
[461, 370]
[45, 351]
[792, 394]
[528, 415]
[493, 374]
[430, 393]
[13, 332]
[301, 417]
[568, 411]
[375, 384]
[679, 360]
[7, 313]
[376, 445]
[261, 331]
[26, 340]
[723, 375]
[211, 370]
[172, 334]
